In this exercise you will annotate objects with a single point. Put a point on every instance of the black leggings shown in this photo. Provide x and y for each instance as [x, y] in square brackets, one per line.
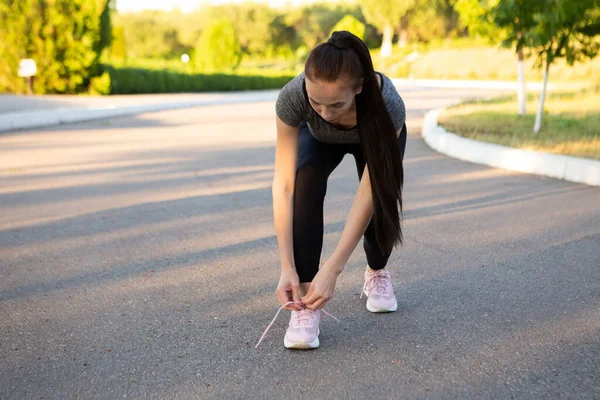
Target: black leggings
[316, 161]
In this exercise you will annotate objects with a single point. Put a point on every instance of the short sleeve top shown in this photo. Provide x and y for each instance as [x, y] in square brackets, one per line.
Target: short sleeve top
[292, 107]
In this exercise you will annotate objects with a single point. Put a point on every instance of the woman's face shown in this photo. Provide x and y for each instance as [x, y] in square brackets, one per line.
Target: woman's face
[331, 101]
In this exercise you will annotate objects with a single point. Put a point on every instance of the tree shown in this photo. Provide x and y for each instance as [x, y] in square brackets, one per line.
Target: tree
[564, 29]
[512, 20]
[251, 22]
[428, 20]
[283, 37]
[61, 36]
[350, 24]
[313, 23]
[386, 16]
[105, 37]
[218, 47]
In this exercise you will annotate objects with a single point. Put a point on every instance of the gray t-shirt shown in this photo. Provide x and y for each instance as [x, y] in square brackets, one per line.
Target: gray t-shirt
[292, 107]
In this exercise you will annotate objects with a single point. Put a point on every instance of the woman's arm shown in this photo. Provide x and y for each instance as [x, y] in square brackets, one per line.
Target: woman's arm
[283, 190]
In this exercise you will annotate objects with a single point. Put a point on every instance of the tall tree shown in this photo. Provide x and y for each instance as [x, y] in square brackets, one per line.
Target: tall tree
[564, 29]
[61, 37]
[513, 21]
[105, 37]
[386, 16]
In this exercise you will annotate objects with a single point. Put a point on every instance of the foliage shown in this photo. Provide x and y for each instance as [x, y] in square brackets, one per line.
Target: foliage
[151, 34]
[350, 24]
[515, 20]
[386, 15]
[137, 80]
[314, 23]
[118, 47]
[385, 12]
[218, 47]
[100, 85]
[566, 29]
[474, 15]
[429, 20]
[251, 22]
[105, 39]
[62, 47]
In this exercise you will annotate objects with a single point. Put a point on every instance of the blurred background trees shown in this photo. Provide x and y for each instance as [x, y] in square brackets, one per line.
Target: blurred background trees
[65, 38]
[74, 42]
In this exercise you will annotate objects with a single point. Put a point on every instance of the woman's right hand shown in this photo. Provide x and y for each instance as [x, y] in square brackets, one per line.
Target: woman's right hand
[288, 289]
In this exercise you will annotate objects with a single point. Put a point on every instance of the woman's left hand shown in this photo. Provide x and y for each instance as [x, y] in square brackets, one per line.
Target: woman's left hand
[321, 288]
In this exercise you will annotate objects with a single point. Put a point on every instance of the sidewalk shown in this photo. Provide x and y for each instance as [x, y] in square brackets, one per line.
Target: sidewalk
[24, 112]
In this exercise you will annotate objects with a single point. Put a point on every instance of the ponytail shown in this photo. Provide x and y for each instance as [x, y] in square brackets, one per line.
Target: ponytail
[345, 55]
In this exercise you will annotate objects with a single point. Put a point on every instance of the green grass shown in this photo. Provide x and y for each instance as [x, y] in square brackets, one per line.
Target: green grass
[571, 124]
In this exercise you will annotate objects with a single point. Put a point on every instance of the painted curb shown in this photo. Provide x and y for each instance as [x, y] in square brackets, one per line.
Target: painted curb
[50, 117]
[573, 169]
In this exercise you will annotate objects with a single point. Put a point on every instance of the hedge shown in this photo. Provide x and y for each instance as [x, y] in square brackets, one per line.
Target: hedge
[139, 80]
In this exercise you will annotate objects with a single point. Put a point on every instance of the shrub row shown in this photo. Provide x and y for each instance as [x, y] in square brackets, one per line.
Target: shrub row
[139, 80]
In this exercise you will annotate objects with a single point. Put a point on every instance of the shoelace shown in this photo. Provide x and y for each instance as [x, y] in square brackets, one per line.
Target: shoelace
[303, 317]
[379, 284]
[277, 314]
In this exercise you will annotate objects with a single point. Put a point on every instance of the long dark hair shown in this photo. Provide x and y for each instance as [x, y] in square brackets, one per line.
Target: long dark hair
[344, 55]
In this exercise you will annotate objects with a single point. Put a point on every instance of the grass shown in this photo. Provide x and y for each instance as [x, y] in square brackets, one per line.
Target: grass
[571, 124]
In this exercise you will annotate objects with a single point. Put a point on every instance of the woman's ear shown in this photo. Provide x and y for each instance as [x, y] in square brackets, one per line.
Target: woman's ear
[360, 87]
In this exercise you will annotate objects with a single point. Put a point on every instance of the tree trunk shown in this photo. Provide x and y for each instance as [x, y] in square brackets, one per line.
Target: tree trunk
[540, 113]
[403, 34]
[521, 95]
[386, 44]
[402, 38]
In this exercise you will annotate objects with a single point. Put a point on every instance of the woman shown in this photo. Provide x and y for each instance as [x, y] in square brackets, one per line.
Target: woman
[338, 105]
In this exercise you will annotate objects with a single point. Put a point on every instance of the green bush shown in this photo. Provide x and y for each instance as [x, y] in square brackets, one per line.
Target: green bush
[100, 85]
[218, 47]
[62, 36]
[138, 80]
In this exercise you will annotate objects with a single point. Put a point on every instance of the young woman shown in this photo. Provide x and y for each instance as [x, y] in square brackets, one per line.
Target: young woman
[338, 105]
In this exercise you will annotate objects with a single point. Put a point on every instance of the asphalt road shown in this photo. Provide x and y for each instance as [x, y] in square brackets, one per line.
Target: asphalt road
[138, 259]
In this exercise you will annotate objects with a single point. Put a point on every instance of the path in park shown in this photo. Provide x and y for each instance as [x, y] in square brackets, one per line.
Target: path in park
[138, 259]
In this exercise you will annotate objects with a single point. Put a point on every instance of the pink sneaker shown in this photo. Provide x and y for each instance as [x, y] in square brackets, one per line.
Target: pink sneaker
[379, 291]
[303, 330]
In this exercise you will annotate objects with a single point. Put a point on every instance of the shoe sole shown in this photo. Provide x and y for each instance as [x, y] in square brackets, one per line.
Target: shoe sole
[301, 345]
[382, 309]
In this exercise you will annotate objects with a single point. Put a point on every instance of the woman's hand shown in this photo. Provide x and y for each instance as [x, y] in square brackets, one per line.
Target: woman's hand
[288, 289]
[321, 288]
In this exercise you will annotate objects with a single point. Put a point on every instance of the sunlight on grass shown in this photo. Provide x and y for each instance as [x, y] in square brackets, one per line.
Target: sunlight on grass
[571, 123]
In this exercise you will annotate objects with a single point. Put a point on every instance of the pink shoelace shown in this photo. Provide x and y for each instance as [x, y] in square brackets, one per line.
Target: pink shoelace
[277, 314]
[379, 283]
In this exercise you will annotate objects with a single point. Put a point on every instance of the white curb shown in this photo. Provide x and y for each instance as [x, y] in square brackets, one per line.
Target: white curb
[50, 117]
[571, 169]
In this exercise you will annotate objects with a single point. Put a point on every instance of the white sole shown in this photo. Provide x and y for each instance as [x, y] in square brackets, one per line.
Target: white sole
[382, 309]
[301, 345]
